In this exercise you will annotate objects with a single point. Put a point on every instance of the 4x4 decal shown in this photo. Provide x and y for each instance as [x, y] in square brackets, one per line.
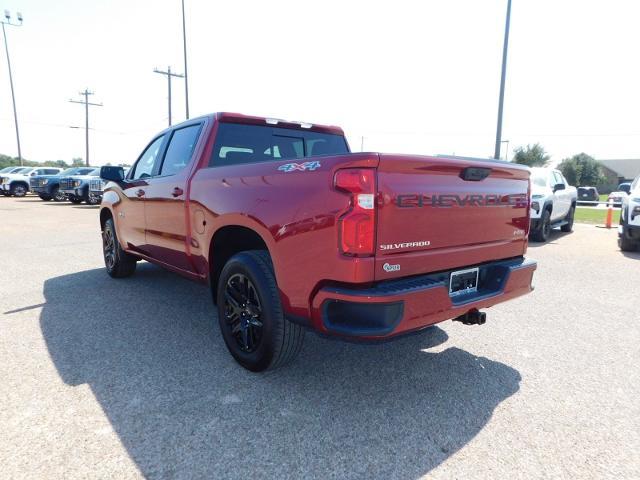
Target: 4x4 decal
[300, 167]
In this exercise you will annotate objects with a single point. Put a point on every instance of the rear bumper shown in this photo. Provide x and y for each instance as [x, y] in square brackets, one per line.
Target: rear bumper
[396, 307]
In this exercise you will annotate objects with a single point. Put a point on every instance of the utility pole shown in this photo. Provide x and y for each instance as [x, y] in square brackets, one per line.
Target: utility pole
[169, 74]
[7, 16]
[506, 153]
[502, 81]
[86, 104]
[186, 81]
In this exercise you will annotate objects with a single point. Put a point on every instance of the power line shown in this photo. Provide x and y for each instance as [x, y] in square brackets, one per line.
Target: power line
[86, 104]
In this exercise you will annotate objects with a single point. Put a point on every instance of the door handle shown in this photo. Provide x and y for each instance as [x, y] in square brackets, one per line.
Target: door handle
[177, 192]
[140, 193]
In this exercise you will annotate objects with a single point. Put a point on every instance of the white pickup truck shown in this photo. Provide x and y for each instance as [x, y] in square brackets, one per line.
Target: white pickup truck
[553, 203]
[17, 184]
[629, 229]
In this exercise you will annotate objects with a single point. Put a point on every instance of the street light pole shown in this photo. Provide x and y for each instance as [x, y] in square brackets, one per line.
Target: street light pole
[169, 74]
[7, 15]
[86, 103]
[184, 46]
[502, 81]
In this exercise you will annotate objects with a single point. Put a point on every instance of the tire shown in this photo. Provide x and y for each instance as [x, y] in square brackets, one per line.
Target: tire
[250, 314]
[91, 200]
[626, 244]
[541, 234]
[119, 264]
[57, 195]
[19, 190]
[76, 201]
[569, 218]
[46, 198]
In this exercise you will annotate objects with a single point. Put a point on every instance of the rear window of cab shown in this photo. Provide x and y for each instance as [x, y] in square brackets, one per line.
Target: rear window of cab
[239, 143]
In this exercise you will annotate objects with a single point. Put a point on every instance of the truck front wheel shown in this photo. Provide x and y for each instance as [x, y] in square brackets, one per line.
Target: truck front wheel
[250, 314]
[541, 234]
[118, 262]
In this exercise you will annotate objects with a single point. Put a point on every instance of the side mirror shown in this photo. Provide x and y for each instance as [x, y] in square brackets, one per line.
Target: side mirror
[112, 174]
[558, 186]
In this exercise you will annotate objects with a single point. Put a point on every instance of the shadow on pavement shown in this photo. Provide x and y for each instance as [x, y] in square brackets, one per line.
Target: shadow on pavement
[149, 348]
[556, 234]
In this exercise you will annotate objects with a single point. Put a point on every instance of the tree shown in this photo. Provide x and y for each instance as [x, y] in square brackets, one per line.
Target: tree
[531, 156]
[77, 162]
[581, 170]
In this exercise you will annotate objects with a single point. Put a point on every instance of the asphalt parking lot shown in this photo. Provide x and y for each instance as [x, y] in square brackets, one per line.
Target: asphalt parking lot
[130, 378]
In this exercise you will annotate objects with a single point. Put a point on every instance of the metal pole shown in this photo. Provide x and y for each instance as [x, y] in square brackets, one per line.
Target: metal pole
[86, 125]
[186, 82]
[86, 103]
[502, 81]
[13, 97]
[169, 74]
[169, 80]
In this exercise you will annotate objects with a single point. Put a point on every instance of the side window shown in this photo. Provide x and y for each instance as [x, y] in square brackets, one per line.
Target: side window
[557, 178]
[180, 149]
[144, 166]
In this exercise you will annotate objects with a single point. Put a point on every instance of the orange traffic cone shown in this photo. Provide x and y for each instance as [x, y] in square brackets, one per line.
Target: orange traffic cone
[609, 219]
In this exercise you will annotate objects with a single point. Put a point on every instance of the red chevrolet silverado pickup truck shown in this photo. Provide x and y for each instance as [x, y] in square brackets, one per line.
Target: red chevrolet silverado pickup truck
[293, 232]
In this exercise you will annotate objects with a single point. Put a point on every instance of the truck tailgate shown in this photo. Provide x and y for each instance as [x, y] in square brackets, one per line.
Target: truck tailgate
[439, 213]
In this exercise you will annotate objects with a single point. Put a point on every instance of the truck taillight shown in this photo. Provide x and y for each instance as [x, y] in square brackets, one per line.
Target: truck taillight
[357, 226]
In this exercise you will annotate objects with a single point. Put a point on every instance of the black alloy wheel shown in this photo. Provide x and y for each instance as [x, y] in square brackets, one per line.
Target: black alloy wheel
[109, 248]
[243, 312]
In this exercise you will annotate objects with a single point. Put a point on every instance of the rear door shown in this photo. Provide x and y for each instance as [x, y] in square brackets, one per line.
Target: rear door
[165, 214]
[442, 213]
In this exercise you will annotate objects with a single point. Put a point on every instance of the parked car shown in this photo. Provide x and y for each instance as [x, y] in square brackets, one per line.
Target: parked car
[47, 187]
[629, 229]
[625, 187]
[76, 186]
[616, 198]
[588, 194]
[375, 245]
[553, 203]
[17, 184]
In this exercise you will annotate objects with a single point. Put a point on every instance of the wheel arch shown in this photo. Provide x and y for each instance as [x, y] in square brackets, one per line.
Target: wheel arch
[227, 241]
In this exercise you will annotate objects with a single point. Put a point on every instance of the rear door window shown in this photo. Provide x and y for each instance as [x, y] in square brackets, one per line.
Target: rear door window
[239, 143]
[180, 149]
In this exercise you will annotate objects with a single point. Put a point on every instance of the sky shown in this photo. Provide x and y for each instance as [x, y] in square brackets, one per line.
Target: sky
[409, 77]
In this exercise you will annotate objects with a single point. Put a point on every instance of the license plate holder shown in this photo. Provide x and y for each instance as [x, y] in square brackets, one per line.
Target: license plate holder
[463, 281]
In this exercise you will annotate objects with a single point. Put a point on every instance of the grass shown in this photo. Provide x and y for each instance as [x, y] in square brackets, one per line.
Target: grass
[604, 197]
[595, 216]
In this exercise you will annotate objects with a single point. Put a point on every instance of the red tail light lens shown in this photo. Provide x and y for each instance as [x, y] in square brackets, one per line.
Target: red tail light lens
[357, 226]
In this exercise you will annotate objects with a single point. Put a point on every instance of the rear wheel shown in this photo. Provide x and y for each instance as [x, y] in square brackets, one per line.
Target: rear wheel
[569, 218]
[118, 262]
[541, 234]
[250, 314]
